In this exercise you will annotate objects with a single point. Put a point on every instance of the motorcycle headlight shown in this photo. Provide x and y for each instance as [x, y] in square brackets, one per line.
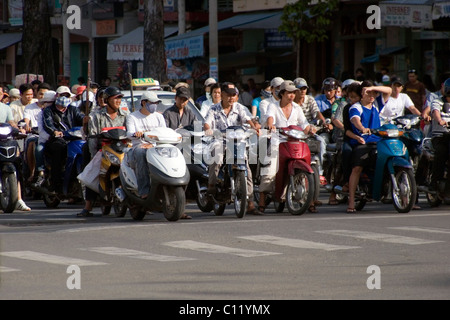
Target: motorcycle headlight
[236, 134]
[297, 134]
[112, 158]
[391, 133]
[167, 152]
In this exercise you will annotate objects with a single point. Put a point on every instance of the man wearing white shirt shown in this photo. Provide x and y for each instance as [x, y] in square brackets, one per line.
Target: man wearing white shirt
[397, 103]
[137, 124]
[264, 104]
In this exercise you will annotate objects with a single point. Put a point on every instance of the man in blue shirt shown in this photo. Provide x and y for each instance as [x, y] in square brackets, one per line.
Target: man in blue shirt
[364, 115]
[328, 96]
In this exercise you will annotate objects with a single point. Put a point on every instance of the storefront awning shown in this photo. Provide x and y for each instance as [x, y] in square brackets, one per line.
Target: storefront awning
[8, 39]
[383, 52]
[131, 45]
[406, 13]
[441, 10]
[190, 44]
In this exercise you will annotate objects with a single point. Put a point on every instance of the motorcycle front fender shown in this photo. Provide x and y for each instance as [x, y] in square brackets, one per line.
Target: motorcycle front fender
[299, 164]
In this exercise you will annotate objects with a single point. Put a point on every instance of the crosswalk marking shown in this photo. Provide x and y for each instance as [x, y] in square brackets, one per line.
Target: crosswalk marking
[212, 248]
[296, 243]
[378, 237]
[136, 254]
[431, 230]
[43, 257]
[6, 269]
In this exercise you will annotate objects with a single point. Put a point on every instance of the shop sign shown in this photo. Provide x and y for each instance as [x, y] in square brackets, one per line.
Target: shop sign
[408, 16]
[185, 48]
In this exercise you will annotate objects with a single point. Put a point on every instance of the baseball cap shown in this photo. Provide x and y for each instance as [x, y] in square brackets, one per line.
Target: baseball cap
[49, 96]
[63, 101]
[14, 93]
[91, 96]
[385, 80]
[300, 83]
[181, 85]
[183, 92]
[150, 96]
[277, 81]
[64, 89]
[80, 90]
[288, 85]
[210, 81]
[225, 87]
[396, 80]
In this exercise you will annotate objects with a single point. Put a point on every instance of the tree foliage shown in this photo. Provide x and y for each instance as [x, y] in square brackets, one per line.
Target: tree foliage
[308, 20]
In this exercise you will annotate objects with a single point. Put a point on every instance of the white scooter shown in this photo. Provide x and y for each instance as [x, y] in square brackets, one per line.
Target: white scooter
[169, 177]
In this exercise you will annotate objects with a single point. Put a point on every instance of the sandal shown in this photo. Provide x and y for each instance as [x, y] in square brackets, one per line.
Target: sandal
[22, 206]
[313, 209]
[185, 216]
[351, 210]
[85, 213]
[333, 202]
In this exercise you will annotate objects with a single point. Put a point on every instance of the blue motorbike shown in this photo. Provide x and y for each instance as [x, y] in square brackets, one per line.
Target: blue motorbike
[72, 188]
[392, 172]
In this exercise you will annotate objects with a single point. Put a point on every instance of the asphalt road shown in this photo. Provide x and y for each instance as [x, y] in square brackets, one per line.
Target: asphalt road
[377, 254]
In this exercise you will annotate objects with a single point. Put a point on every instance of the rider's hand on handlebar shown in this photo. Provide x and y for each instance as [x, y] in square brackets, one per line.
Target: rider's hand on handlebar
[209, 132]
[59, 134]
[443, 123]
[138, 134]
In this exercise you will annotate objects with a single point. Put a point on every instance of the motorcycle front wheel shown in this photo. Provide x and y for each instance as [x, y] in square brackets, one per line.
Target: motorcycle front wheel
[8, 197]
[300, 193]
[174, 203]
[404, 197]
[240, 199]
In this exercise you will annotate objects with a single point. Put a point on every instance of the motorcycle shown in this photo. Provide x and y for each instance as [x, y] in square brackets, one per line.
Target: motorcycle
[393, 173]
[169, 177]
[9, 161]
[295, 175]
[232, 177]
[72, 187]
[198, 169]
[114, 141]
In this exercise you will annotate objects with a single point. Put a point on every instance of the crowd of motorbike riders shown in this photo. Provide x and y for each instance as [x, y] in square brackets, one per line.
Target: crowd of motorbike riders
[344, 114]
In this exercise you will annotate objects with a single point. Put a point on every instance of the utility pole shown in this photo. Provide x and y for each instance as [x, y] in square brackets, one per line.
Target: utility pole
[181, 16]
[66, 40]
[213, 41]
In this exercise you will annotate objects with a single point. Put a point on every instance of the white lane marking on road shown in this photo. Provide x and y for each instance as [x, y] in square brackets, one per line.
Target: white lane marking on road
[48, 258]
[114, 251]
[378, 237]
[297, 243]
[6, 269]
[422, 229]
[212, 248]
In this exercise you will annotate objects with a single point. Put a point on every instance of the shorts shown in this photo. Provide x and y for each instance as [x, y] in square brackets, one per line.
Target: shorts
[364, 155]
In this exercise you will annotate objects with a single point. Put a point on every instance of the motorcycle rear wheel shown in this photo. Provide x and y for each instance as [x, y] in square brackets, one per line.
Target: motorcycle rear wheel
[300, 194]
[8, 197]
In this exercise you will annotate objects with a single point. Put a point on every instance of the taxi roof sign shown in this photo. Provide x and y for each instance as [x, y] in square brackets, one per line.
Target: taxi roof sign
[145, 82]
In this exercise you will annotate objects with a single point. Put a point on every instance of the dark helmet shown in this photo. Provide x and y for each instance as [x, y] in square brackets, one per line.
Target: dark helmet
[329, 84]
[447, 87]
[99, 93]
[111, 92]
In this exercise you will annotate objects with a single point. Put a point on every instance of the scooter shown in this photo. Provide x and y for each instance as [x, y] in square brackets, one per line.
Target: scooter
[295, 175]
[72, 187]
[393, 173]
[114, 141]
[232, 178]
[9, 160]
[169, 177]
[193, 147]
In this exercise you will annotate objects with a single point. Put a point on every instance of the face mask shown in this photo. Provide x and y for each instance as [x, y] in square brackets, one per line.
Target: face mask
[277, 92]
[266, 94]
[208, 95]
[151, 107]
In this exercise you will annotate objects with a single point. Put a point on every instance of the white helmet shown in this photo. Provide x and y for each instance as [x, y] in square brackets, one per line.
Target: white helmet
[347, 82]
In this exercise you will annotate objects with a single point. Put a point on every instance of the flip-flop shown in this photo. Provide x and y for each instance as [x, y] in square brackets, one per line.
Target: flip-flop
[313, 209]
[185, 216]
[351, 210]
[333, 202]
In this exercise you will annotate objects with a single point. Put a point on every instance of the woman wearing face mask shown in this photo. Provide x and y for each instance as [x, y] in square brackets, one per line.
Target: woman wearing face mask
[139, 122]
[265, 93]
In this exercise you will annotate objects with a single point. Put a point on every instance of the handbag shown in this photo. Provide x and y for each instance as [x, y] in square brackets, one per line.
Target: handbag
[90, 174]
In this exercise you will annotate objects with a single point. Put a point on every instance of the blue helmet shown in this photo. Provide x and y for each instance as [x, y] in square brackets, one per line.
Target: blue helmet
[447, 87]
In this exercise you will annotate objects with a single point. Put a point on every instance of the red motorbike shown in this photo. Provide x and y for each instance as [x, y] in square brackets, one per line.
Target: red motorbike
[294, 181]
